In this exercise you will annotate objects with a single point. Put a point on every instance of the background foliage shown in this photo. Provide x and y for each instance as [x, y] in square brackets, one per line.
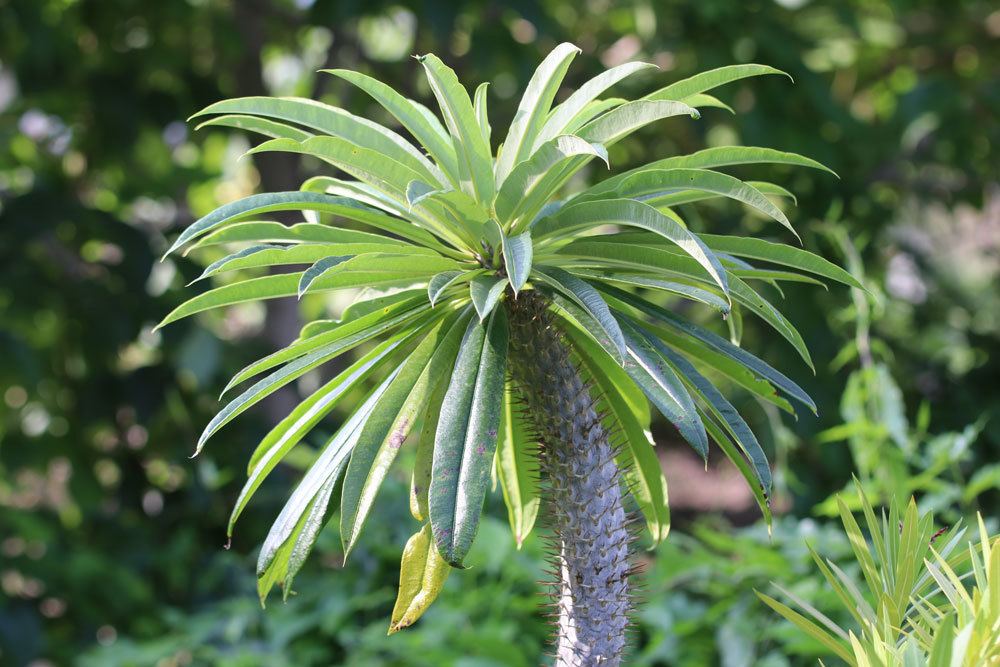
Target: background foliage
[111, 540]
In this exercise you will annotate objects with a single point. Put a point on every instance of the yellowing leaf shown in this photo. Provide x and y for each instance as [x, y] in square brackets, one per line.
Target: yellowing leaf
[422, 573]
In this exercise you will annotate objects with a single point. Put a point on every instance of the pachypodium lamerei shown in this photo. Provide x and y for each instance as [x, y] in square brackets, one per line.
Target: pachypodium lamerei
[502, 322]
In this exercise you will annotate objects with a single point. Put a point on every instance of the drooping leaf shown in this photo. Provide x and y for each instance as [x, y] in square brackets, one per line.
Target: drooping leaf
[722, 409]
[420, 480]
[778, 253]
[253, 289]
[625, 119]
[682, 289]
[714, 342]
[422, 574]
[657, 182]
[349, 333]
[264, 126]
[663, 388]
[290, 430]
[373, 269]
[297, 525]
[517, 469]
[588, 298]
[761, 307]
[466, 437]
[385, 431]
[702, 101]
[269, 384]
[590, 214]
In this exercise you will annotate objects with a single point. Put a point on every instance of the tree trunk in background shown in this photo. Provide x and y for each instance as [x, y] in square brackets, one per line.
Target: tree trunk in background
[279, 172]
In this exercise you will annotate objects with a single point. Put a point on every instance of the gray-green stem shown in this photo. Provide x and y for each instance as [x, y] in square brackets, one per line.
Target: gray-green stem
[584, 491]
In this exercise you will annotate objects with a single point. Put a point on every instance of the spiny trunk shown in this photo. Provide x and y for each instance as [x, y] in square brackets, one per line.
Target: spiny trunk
[584, 491]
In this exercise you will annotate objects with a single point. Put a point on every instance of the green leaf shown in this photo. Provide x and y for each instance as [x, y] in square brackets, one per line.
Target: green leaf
[482, 115]
[303, 232]
[779, 253]
[629, 117]
[318, 269]
[705, 81]
[533, 181]
[411, 115]
[285, 559]
[475, 163]
[588, 298]
[664, 389]
[385, 431]
[420, 480]
[254, 205]
[809, 628]
[466, 437]
[590, 214]
[416, 191]
[721, 409]
[485, 291]
[271, 383]
[678, 197]
[422, 574]
[533, 109]
[564, 114]
[517, 257]
[591, 111]
[517, 468]
[734, 455]
[637, 457]
[259, 125]
[348, 333]
[376, 169]
[335, 122]
[758, 305]
[681, 289]
[265, 255]
[374, 268]
[372, 299]
[290, 430]
[701, 101]
[297, 525]
[254, 289]
[725, 156]
[652, 183]
[714, 342]
[437, 285]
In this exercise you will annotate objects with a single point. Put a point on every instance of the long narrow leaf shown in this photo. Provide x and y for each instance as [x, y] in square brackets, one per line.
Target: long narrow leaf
[467, 437]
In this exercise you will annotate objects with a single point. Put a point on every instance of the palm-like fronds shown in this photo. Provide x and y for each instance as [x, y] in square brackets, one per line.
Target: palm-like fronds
[452, 234]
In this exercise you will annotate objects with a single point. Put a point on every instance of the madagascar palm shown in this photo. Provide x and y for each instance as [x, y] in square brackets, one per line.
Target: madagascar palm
[500, 325]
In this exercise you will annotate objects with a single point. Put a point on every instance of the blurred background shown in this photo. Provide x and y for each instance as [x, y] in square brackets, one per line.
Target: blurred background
[111, 539]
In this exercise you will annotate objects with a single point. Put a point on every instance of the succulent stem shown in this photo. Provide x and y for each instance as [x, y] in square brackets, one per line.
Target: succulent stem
[584, 500]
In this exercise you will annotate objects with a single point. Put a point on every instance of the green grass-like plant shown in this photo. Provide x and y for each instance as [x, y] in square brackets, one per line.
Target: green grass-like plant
[503, 321]
[928, 597]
